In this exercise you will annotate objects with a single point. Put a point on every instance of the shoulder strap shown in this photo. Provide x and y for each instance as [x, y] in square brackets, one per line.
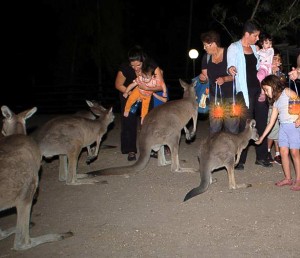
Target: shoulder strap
[207, 57]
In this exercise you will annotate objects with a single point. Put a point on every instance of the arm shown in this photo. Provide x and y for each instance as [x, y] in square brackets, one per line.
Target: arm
[223, 79]
[119, 82]
[162, 99]
[270, 125]
[203, 77]
[129, 88]
[231, 59]
[297, 121]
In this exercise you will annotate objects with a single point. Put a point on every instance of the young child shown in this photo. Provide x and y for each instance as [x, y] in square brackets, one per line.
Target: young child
[265, 58]
[273, 135]
[148, 78]
[289, 130]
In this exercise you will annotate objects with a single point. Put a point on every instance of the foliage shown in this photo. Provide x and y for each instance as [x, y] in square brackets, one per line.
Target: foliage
[276, 17]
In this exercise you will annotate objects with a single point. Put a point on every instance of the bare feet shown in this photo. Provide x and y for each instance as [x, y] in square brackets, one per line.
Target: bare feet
[126, 114]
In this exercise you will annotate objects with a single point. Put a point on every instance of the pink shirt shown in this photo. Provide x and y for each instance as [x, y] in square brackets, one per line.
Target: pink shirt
[153, 82]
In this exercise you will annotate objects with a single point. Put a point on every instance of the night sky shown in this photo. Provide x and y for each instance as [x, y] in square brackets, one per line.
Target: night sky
[41, 36]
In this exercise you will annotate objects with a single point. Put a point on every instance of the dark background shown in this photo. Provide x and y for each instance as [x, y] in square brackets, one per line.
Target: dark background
[60, 52]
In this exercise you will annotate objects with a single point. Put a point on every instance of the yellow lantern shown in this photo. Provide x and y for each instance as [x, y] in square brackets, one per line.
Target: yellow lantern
[236, 110]
[294, 106]
[218, 111]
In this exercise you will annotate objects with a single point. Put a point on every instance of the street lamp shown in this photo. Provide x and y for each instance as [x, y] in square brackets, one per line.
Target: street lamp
[193, 54]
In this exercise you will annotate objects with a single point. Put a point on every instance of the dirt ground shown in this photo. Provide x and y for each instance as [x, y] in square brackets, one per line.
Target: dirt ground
[144, 215]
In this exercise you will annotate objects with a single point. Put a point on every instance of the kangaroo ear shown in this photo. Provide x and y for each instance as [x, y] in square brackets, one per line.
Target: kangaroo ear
[253, 123]
[183, 84]
[6, 112]
[28, 113]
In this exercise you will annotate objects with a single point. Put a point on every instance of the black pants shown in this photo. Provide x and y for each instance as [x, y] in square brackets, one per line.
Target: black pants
[128, 129]
[258, 111]
[129, 126]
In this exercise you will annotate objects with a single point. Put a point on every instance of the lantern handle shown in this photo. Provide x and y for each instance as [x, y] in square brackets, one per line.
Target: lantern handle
[233, 90]
[216, 94]
[294, 85]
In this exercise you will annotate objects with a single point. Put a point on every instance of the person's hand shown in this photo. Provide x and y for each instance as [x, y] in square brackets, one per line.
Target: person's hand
[297, 122]
[293, 75]
[275, 69]
[259, 141]
[220, 81]
[232, 70]
[142, 85]
[125, 95]
[164, 94]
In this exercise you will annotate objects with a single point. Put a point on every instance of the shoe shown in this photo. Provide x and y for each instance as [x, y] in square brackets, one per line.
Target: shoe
[296, 187]
[284, 182]
[239, 166]
[131, 156]
[269, 157]
[154, 154]
[277, 159]
[264, 163]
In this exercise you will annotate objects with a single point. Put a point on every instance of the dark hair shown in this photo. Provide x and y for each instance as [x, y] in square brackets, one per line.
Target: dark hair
[136, 53]
[210, 37]
[149, 66]
[276, 84]
[263, 37]
[250, 26]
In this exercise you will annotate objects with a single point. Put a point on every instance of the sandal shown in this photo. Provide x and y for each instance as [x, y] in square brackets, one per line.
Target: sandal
[296, 187]
[284, 182]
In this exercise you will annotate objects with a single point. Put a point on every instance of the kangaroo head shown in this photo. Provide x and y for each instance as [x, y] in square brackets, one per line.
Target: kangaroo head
[96, 108]
[110, 115]
[189, 89]
[250, 126]
[15, 123]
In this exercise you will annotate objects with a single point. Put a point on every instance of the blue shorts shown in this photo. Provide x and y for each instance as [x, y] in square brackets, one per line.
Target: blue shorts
[289, 136]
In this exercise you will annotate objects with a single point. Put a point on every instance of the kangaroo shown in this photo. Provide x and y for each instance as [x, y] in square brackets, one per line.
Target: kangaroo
[222, 150]
[67, 135]
[95, 108]
[20, 162]
[162, 126]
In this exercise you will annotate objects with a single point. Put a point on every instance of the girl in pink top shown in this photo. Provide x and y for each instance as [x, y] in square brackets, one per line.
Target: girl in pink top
[265, 59]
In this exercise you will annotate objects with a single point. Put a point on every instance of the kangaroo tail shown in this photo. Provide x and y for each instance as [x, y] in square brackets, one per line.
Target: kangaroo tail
[205, 176]
[198, 190]
[139, 165]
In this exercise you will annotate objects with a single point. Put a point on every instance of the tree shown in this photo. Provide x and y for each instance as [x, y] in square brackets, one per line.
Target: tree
[276, 17]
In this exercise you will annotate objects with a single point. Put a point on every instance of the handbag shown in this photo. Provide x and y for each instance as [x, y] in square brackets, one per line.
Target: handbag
[202, 93]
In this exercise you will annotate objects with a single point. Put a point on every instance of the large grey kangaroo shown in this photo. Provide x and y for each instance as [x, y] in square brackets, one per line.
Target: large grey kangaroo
[222, 150]
[20, 162]
[67, 135]
[162, 126]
